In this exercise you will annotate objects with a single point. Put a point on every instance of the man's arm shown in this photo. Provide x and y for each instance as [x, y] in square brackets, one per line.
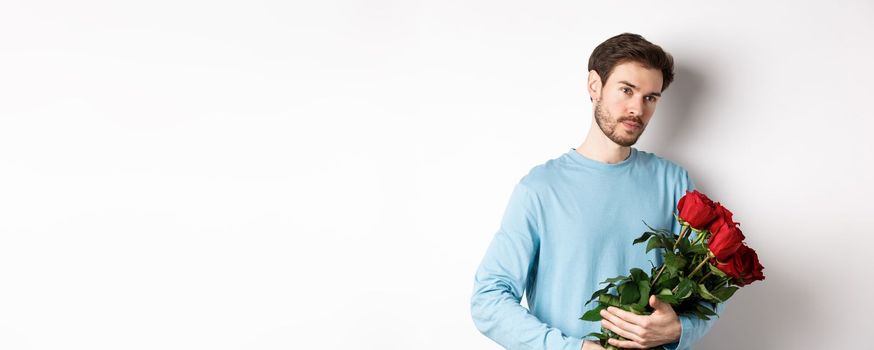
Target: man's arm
[653, 330]
[501, 279]
[693, 329]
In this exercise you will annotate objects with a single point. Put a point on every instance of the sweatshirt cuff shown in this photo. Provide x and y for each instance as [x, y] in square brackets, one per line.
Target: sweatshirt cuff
[575, 343]
[683, 342]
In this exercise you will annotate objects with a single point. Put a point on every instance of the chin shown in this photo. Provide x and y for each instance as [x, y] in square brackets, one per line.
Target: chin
[625, 142]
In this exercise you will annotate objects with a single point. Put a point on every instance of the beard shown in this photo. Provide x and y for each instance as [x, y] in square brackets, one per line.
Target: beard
[611, 128]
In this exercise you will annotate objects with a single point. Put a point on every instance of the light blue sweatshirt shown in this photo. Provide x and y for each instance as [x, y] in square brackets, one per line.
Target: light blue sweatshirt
[569, 225]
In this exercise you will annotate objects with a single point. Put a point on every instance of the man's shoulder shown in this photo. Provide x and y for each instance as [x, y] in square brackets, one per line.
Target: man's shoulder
[673, 174]
[657, 162]
[544, 175]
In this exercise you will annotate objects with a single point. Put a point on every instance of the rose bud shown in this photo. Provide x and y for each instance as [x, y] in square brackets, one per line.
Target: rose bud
[723, 215]
[743, 266]
[725, 240]
[696, 209]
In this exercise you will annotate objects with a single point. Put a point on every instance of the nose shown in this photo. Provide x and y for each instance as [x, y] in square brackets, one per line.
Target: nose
[635, 107]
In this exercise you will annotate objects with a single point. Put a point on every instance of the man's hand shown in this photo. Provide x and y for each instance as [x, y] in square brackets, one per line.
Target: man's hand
[590, 345]
[643, 331]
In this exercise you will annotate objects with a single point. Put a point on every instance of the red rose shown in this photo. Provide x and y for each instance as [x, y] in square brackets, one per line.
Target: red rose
[725, 240]
[723, 215]
[743, 266]
[696, 209]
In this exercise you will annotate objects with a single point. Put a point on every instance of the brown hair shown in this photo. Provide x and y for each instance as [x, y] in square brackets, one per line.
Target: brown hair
[628, 47]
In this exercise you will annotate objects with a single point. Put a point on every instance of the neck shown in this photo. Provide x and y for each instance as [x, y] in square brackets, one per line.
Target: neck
[598, 147]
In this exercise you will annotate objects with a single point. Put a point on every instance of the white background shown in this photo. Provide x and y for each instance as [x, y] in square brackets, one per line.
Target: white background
[328, 174]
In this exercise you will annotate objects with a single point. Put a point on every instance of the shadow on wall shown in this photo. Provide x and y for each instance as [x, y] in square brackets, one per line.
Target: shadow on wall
[768, 314]
[678, 116]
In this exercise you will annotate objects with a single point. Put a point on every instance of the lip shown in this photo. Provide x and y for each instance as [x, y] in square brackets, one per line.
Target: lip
[631, 125]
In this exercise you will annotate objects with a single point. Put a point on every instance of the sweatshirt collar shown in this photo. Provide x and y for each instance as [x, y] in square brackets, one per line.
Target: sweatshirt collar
[578, 158]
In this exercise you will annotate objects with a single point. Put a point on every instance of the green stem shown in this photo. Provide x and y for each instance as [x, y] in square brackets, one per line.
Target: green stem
[683, 233]
[699, 265]
[694, 271]
[610, 334]
[705, 277]
[700, 237]
[656, 278]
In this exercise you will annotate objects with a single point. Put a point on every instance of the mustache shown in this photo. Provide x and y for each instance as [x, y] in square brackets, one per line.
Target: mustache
[632, 120]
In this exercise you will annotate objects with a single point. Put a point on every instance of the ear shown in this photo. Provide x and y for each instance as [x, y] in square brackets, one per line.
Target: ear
[594, 85]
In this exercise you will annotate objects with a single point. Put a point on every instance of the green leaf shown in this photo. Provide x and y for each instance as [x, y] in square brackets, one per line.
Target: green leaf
[609, 300]
[648, 226]
[638, 275]
[636, 309]
[667, 296]
[684, 245]
[643, 289]
[723, 293]
[615, 279]
[685, 288]
[668, 282]
[593, 314]
[599, 292]
[698, 250]
[662, 231]
[643, 237]
[704, 310]
[706, 294]
[674, 262]
[716, 271]
[669, 236]
[670, 299]
[628, 293]
[600, 336]
[654, 242]
[700, 315]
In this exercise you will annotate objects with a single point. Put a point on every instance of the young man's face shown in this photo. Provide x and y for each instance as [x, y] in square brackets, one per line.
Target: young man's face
[626, 102]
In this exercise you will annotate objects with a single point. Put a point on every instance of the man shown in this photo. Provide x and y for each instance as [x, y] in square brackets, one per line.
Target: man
[570, 222]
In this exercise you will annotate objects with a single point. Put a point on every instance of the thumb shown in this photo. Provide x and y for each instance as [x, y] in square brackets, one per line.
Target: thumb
[657, 303]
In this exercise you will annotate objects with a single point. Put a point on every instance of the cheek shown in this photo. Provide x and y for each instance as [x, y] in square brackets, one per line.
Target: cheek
[614, 107]
[648, 111]
[617, 105]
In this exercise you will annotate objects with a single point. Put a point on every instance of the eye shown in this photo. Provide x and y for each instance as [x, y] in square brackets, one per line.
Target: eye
[651, 98]
[626, 90]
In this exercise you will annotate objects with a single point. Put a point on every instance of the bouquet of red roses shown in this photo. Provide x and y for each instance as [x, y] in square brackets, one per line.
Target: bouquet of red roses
[709, 268]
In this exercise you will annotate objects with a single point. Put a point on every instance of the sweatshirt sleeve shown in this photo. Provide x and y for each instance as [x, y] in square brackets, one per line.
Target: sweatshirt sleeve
[692, 328]
[502, 277]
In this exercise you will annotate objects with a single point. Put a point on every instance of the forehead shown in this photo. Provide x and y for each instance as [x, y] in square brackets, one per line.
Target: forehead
[646, 79]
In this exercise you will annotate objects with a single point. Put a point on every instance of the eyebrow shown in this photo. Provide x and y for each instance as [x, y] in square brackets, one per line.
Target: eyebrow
[635, 87]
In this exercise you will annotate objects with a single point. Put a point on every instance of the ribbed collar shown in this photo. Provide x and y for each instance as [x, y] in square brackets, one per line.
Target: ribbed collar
[578, 158]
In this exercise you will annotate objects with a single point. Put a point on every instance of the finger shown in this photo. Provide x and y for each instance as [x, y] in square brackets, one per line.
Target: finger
[621, 332]
[626, 316]
[658, 304]
[625, 344]
[630, 331]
